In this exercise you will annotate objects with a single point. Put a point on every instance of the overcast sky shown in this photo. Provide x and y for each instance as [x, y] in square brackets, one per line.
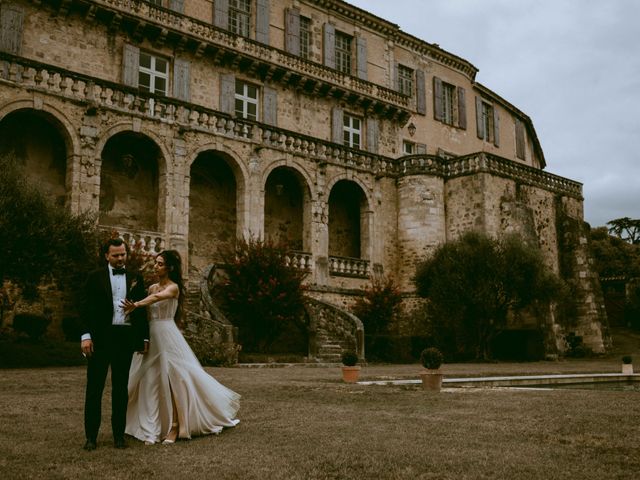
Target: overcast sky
[573, 66]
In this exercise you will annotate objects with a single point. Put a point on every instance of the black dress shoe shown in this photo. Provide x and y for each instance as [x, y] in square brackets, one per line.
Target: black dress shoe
[119, 443]
[90, 445]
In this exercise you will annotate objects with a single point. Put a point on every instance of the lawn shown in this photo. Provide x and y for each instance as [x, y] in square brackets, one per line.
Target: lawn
[304, 423]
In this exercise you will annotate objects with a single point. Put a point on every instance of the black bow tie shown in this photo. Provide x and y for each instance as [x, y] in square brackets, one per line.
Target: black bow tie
[119, 271]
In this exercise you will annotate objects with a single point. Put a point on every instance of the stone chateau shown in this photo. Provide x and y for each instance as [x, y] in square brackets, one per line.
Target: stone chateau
[187, 123]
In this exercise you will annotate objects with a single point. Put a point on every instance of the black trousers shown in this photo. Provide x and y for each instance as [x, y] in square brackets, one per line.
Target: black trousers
[114, 351]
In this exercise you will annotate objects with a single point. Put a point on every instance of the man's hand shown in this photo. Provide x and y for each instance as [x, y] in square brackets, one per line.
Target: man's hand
[87, 347]
[145, 349]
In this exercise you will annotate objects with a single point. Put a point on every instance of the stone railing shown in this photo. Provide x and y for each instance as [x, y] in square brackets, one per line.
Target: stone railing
[485, 162]
[349, 267]
[321, 150]
[139, 241]
[109, 95]
[300, 260]
[328, 323]
[263, 53]
[96, 94]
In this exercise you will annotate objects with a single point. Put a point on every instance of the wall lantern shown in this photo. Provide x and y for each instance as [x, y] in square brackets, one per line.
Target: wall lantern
[412, 129]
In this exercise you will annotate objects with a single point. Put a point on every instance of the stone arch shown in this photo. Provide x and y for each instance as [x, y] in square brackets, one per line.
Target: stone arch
[132, 181]
[350, 219]
[44, 149]
[215, 185]
[287, 198]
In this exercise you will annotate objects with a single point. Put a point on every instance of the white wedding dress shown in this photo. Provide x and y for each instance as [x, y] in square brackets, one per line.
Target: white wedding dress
[204, 405]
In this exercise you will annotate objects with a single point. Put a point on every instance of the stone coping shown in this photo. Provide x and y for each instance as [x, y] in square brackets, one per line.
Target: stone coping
[520, 380]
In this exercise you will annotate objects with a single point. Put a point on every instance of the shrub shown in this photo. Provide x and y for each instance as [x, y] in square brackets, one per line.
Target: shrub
[349, 358]
[472, 285]
[262, 295]
[627, 359]
[377, 308]
[34, 326]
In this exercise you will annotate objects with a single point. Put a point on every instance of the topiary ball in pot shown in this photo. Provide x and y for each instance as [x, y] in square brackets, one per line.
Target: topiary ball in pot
[431, 358]
[349, 358]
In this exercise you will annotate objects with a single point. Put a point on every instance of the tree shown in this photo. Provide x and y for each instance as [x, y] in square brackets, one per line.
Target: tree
[40, 241]
[626, 228]
[613, 256]
[474, 282]
[262, 295]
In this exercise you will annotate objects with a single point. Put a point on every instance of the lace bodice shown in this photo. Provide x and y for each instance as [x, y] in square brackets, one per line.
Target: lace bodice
[163, 310]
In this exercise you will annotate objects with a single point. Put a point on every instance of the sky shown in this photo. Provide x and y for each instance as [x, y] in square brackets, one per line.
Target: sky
[573, 66]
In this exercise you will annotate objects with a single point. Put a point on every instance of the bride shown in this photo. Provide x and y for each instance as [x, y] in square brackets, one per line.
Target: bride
[170, 394]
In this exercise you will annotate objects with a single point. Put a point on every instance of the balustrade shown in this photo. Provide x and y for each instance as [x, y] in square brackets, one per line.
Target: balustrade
[349, 267]
[299, 260]
[139, 241]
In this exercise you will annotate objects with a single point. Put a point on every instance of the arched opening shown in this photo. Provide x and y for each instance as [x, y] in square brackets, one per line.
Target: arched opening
[348, 223]
[286, 200]
[129, 182]
[212, 209]
[38, 147]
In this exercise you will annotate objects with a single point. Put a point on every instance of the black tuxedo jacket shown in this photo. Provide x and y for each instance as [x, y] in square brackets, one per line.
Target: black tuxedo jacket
[98, 309]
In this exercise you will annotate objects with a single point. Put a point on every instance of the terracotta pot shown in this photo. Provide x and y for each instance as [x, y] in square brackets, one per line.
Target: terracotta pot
[432, 380]
[350, 374]
[627, 368]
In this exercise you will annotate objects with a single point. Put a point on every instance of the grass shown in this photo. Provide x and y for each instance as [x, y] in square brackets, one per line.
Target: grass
[304, 423]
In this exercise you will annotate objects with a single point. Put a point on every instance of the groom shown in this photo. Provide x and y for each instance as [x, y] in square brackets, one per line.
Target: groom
[110, 338]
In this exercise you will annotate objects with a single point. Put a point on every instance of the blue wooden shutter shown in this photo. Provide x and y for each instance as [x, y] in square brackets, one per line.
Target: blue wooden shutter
[496, 127]
[373, 132]
[11, 26]
[181, 79]
[292, 34]
[221, 14]
[361, 56]
[130, 65]
[520, 139]
[329, 45]
[270, 106]
[262, 21]
[438, 113]
[177, 5]
[421, 93]
[462, 109]
[228, 93]
[479, 122]
[337, 125]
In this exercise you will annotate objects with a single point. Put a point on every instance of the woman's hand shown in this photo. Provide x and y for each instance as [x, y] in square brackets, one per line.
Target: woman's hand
[128, 306]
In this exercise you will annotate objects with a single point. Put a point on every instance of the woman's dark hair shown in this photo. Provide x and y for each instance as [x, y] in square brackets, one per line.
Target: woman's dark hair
[173, 264]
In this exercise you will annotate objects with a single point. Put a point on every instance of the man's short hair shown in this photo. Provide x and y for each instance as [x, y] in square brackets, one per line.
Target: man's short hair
[114, 242]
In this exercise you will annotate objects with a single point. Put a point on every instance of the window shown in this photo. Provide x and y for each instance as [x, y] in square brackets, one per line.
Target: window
[408, 148]
[405, 80]
[448, 104]
[343, 52]
[305, 37]
[246, 100]
[153, 74]
[240, 16]
[487, 122]
[352, 131]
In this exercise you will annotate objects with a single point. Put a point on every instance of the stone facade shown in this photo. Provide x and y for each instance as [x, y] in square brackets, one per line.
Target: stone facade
[187, 124]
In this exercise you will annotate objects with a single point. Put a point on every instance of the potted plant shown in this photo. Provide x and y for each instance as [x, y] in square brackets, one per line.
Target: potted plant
[627, 365]
[431, 359]
[350, 371]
